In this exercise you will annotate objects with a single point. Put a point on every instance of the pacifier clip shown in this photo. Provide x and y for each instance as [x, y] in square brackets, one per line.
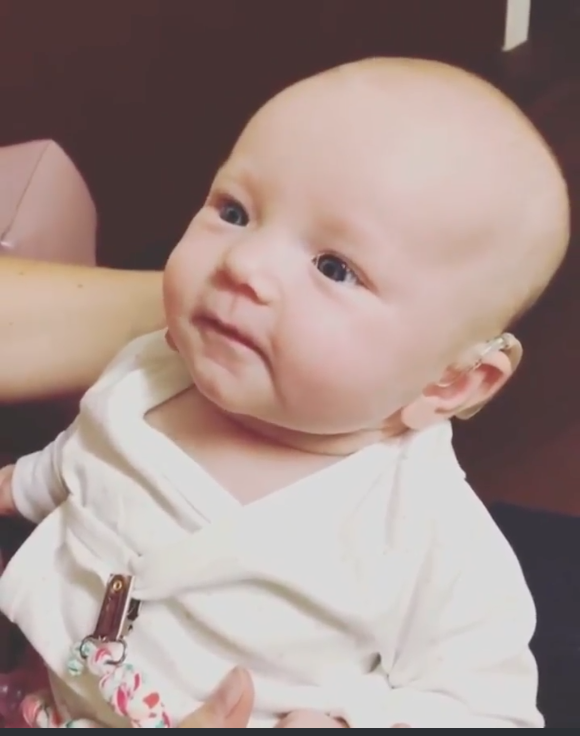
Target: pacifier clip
[103, 654]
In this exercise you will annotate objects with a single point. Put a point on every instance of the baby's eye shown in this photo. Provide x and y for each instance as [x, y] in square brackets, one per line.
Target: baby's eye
[233, 213]
[335, 269]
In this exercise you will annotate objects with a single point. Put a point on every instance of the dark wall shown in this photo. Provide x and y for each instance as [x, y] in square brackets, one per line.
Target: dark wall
[525, 447]
[148, 95]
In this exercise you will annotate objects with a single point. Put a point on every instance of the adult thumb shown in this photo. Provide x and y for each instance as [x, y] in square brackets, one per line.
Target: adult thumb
[229, 706]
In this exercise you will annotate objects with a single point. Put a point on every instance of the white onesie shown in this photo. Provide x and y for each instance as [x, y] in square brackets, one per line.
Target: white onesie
[378, 589]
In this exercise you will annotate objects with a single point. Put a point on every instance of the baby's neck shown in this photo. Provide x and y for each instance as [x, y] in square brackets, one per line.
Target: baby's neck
[339, 445]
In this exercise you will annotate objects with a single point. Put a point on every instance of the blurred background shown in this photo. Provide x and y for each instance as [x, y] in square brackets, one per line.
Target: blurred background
[147, 97]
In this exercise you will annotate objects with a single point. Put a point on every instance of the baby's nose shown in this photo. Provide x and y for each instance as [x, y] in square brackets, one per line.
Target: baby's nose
[253, 268]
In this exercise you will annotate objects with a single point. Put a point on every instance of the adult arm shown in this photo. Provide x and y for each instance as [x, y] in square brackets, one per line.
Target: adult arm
[60, 325]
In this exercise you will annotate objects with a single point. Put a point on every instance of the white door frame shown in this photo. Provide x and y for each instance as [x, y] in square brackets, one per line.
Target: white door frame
[517, 23]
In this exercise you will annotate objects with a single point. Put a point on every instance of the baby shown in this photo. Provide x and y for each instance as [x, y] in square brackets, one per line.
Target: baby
[273, 478]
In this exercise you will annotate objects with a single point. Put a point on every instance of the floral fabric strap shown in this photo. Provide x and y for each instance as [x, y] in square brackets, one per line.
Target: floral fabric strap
[121, 686]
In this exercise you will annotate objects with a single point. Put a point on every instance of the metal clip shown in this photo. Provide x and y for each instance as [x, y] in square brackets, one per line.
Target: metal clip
[117, 615]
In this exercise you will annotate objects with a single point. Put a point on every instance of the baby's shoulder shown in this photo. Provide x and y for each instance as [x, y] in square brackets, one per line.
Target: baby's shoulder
[460, 528]
[435, 486]
[144, 353]
[145, 356]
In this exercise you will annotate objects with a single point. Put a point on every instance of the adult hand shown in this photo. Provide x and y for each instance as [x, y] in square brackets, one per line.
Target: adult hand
[309, 719]
[229, 706]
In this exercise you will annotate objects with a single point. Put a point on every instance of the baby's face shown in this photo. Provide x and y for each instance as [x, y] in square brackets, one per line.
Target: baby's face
[311, 292]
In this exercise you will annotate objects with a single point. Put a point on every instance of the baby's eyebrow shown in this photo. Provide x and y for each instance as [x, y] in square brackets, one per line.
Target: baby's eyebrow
[239, 172]
[221, 170]
[357, 234]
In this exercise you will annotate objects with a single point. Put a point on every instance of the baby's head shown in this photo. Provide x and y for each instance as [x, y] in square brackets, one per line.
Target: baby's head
[372, 233]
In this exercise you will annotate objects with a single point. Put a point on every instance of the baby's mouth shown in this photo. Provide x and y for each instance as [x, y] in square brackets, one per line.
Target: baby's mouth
[229, 332]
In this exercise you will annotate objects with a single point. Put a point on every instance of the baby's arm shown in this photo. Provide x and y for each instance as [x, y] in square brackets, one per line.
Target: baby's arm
[33, 487]
[464, 661]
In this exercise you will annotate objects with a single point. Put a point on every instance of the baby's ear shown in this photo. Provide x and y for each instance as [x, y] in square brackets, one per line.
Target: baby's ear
[463, 392]
[503, 362]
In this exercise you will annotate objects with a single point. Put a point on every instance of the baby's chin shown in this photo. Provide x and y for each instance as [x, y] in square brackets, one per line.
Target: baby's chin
[256, 410]
[226, 396]
[301, 436]
[338, 445]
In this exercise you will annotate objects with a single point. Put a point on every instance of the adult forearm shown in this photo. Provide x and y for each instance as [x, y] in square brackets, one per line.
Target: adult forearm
[60, 325]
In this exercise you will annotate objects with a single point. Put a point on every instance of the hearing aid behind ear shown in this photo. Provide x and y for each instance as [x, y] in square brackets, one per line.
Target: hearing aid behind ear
[503, 343]
[422, 413]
